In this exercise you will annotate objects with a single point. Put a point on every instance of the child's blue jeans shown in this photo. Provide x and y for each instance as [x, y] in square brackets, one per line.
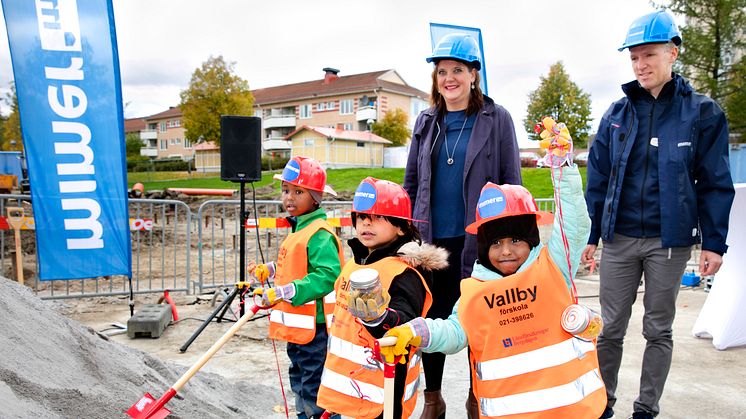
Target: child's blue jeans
[306, 366]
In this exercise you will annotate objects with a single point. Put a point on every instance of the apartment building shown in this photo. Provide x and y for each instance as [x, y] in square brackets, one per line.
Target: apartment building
[342, 103]
[164, 136]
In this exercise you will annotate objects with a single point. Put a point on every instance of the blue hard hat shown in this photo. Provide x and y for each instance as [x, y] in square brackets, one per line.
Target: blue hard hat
[457, 46]
[656, 27]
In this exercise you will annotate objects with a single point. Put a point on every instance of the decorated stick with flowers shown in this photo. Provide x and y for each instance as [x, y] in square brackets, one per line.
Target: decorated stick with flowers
[555, 138]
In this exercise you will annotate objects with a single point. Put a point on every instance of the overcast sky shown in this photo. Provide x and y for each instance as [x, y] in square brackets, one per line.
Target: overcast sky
[273, 43]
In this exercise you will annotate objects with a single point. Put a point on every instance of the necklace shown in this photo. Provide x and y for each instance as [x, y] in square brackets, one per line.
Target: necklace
[450, 155]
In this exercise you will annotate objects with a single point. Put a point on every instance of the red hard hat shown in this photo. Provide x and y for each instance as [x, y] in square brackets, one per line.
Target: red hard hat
[498, 201]
[381, 197]
[306, 173]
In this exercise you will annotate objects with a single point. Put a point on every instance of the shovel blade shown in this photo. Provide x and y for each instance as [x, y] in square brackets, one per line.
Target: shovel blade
[141, 409]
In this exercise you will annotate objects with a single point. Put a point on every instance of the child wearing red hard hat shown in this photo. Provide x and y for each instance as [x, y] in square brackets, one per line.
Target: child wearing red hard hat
[510, 313]
[387, 246]
[308, 263]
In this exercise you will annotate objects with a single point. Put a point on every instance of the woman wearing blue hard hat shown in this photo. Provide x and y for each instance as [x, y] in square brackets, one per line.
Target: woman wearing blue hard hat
[660, 149]
[462, 141]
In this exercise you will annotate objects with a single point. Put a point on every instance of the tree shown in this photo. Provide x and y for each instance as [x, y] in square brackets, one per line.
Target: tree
[213, 91]
[735, 104]
[11, 136]
[557, 96]
[132, 144]
[713, 32]
[393, 127]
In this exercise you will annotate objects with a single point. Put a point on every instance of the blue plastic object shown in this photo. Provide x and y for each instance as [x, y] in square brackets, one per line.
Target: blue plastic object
[655, 27]
[690, 279]
[457, 46]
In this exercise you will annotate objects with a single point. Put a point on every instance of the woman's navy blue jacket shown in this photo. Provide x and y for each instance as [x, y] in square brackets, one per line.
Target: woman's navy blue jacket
[695, 185]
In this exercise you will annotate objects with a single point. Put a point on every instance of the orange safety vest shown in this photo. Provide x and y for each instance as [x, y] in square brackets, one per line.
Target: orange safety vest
[523, 364]
[352, 382]
[298, 324]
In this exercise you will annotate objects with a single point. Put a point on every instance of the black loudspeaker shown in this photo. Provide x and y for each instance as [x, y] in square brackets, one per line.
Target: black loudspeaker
[240, 148]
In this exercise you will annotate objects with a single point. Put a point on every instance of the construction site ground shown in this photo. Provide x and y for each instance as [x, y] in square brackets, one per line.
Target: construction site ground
[703, 382]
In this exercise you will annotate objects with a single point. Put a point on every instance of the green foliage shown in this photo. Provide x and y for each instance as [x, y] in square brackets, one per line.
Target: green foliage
[712, 35]
[132, 144]
[274, 163]
[12, 126]
[213, 91]
[147, 165]
[735, 104]
[557, 96]
[393, 127]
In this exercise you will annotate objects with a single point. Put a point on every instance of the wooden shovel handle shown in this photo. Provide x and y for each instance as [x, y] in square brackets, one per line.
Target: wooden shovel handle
[214, 348]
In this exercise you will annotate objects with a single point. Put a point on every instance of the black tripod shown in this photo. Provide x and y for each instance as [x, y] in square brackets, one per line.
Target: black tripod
[241, 288]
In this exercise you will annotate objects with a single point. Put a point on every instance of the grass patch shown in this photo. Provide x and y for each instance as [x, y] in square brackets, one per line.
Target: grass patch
[538, 181]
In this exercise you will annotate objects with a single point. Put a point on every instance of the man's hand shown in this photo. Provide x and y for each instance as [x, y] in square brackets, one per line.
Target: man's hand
[709, 263]
[368, 310]
[405, 338]
[586, 257]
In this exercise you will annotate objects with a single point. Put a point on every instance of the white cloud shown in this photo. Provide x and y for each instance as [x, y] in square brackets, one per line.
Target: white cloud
[279, 42]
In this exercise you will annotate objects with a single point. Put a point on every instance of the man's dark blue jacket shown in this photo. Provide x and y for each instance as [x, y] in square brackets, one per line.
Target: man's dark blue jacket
[695, 189]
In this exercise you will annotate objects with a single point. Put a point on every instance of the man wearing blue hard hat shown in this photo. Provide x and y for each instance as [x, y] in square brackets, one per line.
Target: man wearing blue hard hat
[658, 183]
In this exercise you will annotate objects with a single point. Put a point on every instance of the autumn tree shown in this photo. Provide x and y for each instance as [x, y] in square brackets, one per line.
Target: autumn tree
[711, 37]
[213, 91]
[557, 96]
[393, 127]
[11, 134]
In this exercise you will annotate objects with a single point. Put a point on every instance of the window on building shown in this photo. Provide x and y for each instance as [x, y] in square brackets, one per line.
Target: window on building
[345, 107]
[330, 105]
[163, 127]
[187, 143]
[347, 126]
[164, 144]
[321, 106]
[308, 142]
[360, 144]
[306, 111]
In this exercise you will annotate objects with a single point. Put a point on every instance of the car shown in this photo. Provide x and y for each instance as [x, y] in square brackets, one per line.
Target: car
[529, 158]
[581, 159]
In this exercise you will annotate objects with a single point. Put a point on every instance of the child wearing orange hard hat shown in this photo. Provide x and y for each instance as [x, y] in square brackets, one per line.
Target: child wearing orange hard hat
[388, 248]
[510, 313]
[308, 263]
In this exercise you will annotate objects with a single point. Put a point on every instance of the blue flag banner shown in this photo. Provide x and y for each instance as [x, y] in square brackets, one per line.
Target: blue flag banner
[66, 69]
[439, 30]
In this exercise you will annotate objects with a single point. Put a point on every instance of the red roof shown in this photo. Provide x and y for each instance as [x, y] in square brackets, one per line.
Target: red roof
[207, 145]
[364, 136]
[170, 113]
[134, 125]
[356, 83]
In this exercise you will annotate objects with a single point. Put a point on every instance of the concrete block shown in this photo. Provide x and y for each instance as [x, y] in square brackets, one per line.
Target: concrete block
[150, 320]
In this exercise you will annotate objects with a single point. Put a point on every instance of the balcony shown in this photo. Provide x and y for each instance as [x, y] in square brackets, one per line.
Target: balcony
[365, 113]
[149, 151]
[275, 144]
[148, 134]
[278, 121]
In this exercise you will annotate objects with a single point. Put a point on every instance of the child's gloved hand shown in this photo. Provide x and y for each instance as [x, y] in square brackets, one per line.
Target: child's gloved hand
[264, 272]
[405, 338]
[369, 308]
[556, 139]
[273, 295]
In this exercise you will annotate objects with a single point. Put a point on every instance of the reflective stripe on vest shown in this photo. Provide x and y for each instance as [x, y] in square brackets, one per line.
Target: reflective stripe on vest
[298, 324]
[352, 382]
[349, 387]
[548, 356]
[540, 400]
[524, 364]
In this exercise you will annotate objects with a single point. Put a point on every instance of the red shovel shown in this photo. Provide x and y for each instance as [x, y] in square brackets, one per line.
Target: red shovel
[147, 407]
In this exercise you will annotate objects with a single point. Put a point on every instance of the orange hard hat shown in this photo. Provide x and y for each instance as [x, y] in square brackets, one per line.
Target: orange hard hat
[382, 197]
[306, 173]
[498, 201]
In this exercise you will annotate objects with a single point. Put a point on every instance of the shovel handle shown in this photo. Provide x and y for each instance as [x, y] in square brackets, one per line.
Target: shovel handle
[214, 348]
[387, 341]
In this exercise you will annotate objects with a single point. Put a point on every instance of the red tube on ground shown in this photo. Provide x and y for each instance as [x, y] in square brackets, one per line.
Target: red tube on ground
[204, 191]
